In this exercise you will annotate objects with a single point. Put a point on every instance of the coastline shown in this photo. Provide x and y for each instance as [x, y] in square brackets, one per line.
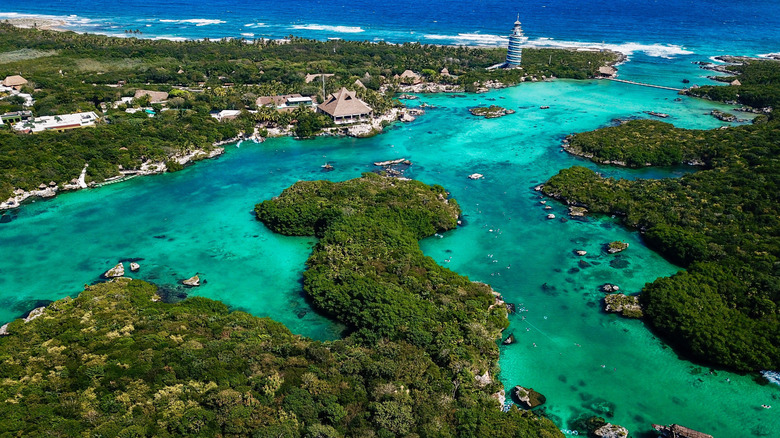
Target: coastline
[363, 129]
[147, 168]
[40, 23]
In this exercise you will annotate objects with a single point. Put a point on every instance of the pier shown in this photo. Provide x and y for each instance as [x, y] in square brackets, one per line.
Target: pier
[645, 85]
[114, 181]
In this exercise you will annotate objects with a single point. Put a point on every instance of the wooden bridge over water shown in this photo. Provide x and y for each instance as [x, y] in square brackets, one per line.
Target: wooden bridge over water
[644, 85]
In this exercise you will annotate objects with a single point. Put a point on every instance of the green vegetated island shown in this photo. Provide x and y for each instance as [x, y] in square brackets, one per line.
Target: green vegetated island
[721, 223]
[419, 358]
[154, 98]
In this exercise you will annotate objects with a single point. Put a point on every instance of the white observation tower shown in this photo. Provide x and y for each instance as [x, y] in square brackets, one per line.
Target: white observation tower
[516, 39]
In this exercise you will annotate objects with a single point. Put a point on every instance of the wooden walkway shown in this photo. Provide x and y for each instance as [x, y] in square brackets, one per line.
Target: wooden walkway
[644, 85]
[114, 181]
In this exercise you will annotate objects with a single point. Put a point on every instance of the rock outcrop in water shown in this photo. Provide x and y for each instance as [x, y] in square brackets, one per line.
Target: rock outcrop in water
[616, 247]
[116, 271]
[490, 112]
[611, 431]
[724, 116]
[193, 281]
[626, 305]
[527, 398]
[575, 211]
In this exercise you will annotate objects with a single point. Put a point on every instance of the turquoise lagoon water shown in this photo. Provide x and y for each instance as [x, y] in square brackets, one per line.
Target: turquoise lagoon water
[584, 361]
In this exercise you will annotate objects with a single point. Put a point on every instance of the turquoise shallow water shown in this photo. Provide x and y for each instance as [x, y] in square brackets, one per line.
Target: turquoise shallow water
[584, 361]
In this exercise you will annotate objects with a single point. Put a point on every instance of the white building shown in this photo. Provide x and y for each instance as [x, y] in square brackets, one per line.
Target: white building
[226, 114]
[59, 123]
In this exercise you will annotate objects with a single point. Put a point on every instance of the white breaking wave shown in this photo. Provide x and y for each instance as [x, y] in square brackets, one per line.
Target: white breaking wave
[338, 29]
[254, 25]
[169, 38]
[248, 34]
[655, 50]
[772, 376]
[66, 20]
[477, 39]
[196, 21]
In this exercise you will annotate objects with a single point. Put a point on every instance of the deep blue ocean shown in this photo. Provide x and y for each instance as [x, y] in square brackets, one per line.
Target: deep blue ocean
[654, 28]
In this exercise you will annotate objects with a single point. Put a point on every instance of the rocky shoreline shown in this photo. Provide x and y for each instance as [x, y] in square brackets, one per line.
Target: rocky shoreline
[566, 145]
[149, 167]
[360, 130]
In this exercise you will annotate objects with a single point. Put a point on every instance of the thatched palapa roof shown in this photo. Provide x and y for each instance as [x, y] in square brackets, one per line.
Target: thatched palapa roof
[154, 96]
[344, 103]
[14, 81]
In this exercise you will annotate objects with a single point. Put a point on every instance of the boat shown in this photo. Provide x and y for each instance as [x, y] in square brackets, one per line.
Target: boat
[327, 166]
[391, 162]
[476, 176]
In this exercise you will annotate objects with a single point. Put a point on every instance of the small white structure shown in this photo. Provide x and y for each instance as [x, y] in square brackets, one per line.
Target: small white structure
[226, 114]
[58, 123]
[286, 102]
[123, 101]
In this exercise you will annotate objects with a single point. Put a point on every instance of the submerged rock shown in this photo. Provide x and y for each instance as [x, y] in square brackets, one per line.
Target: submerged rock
[134, 267]
[509, 340]
[116, 271]
[527, 398]
[619, 263]
[192, 281]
